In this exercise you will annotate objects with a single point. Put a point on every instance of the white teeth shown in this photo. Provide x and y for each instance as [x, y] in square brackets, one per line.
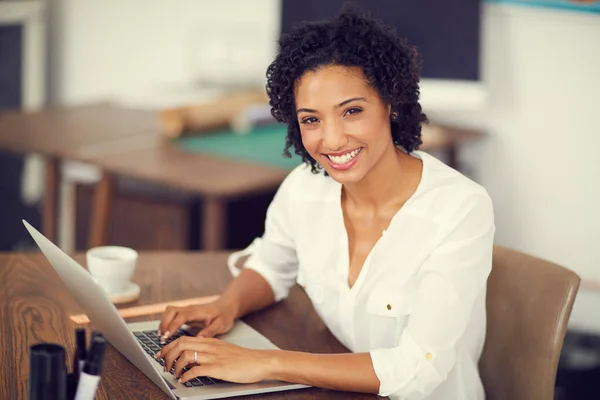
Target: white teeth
[345, 158]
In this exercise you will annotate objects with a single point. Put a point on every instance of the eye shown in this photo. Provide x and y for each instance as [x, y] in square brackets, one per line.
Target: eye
[310, 120]
[353, 110]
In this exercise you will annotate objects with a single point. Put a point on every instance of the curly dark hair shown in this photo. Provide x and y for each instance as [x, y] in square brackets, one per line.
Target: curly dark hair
[389, 63]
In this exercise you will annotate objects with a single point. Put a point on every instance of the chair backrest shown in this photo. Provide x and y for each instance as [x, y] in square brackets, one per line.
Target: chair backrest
[529, 302]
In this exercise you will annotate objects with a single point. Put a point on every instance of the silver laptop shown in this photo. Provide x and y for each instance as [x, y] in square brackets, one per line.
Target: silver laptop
[139, 341]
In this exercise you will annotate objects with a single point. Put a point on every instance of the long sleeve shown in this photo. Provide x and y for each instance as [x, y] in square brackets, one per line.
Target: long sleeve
[449, 284]
[273, 255]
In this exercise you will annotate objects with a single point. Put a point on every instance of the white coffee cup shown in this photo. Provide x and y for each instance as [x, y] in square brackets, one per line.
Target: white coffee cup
[112, 266]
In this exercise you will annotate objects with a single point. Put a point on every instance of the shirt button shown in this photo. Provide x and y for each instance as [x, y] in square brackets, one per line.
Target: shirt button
[389, 306]
[428, 356]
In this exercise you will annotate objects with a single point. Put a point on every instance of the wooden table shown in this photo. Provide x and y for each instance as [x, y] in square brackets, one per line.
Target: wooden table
[216, 180]
[128, 142]
[74, 133]
[36, 305]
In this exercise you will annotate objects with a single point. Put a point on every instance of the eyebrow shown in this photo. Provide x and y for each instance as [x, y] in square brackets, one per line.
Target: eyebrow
[342, 104]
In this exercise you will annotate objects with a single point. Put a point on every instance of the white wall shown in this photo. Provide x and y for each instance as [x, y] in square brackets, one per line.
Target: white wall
[541, 163]
[541, 68]
[107, 48]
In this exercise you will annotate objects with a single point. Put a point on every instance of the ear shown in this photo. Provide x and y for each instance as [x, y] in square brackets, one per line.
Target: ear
[394, 114]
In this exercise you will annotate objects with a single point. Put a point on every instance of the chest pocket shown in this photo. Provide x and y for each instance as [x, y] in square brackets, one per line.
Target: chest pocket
[388, 310]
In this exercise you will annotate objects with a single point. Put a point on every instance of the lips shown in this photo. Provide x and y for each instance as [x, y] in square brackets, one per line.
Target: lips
[344, 160]
[344, 157]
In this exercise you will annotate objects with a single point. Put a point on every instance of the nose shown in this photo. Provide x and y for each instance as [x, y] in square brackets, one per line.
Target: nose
[333, 137]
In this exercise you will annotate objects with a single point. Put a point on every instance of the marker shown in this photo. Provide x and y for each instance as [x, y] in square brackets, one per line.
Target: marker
[78, 362]
[96, 333]
[90, 376]
[47, 372]
[80, 351]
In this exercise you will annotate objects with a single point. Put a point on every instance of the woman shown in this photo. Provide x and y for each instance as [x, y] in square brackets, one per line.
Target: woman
[393, 247]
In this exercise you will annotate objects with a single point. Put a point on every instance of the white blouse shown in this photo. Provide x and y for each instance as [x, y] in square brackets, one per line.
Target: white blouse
[418, 304]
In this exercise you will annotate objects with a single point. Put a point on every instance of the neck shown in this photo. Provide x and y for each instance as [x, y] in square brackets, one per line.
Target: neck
[380, 187]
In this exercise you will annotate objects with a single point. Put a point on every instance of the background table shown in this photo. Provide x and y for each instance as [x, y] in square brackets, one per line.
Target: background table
[73, 133]
[35, 306]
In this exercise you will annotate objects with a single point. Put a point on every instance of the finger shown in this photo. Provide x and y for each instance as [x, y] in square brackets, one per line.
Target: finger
[173, 353]
[174, 325]
[197, 315]
[165, 351]
[174, 350]
[200, 344]
[199, 370]
[187, 358]
[211, 330]
[167, 317]
[166, 348]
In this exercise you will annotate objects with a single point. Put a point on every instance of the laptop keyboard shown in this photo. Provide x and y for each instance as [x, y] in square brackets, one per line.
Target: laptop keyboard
[150, 342]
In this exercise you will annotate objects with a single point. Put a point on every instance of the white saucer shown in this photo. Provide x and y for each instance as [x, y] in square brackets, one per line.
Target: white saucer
[129, 294]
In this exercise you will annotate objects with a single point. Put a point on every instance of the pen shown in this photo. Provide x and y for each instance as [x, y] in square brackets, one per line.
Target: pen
[90, 376]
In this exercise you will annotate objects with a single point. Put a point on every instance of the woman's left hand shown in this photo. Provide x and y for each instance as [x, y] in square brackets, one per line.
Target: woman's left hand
[216, 359]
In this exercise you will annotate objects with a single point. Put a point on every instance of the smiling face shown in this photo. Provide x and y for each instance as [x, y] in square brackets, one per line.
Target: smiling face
[344, 123]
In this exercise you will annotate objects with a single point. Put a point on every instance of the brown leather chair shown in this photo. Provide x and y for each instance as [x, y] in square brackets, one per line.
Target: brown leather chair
[529, 302]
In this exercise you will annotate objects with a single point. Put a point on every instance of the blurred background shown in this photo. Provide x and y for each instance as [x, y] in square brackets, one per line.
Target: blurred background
[123, 152]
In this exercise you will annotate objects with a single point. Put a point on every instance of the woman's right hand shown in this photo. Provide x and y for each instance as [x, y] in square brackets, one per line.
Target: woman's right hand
[214, 319]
